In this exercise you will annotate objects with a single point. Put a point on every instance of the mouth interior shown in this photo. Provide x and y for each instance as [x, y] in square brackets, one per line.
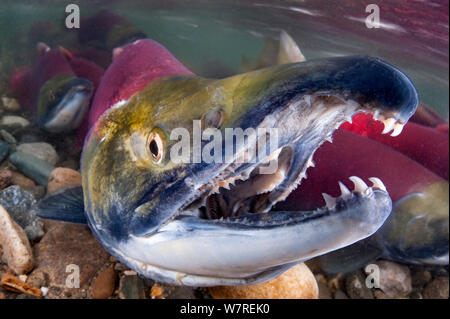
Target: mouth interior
[236, 193]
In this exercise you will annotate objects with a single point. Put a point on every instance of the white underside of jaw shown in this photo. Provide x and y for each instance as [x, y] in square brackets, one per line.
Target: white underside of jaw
[71, 114]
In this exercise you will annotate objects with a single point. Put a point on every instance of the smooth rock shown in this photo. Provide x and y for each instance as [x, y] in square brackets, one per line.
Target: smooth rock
[104, 284]
[131, 287]
[120, 267]
[10, 104]
[21, 180]
[14, 245]
[420, 278]
[26, 296]
[33, 167]
[70, 163]
[29, 138]
[379, 294]
[324, 291]
[14, 121]
[4, 150]
[178, 293]
[37, 191]
[355, 286]
[437, 289]
[5, 178]
[339, 294]
[69, 244]
[395, 279]
[416, 295]
[439, 272]
[41, 150]
[20, 203]
[296, 283]
[8, 137]
[37, 279]
[62, 177]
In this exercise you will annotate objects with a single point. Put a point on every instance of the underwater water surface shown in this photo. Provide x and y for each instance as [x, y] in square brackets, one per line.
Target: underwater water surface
[213, 37]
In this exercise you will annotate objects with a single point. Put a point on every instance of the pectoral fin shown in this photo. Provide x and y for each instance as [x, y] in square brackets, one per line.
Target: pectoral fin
[65, 205]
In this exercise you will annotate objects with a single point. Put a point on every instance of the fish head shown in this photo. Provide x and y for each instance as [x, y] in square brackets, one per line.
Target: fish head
[186, 219]
[63, 102]
[417, 231]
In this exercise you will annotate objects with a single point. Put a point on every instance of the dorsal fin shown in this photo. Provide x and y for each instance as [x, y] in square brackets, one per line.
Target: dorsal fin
[42, 49]
[289, 52]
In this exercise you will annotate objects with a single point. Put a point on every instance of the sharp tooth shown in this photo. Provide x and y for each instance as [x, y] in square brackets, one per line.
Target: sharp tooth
[376, 114]
[344, 190]
[349, 119]
[360, 186]
[377, 183]
[310, 163]
[398, 127]
[329, 139]
[329, 200]
[388, 125]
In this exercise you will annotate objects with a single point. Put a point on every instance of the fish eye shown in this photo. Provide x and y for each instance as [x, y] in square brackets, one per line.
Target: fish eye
[156, 146]
[213, 119]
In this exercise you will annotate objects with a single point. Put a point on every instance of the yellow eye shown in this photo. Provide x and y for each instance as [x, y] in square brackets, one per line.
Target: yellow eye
[156, 146]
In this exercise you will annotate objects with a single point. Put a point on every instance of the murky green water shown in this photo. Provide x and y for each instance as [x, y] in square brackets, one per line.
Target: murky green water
[212, 37]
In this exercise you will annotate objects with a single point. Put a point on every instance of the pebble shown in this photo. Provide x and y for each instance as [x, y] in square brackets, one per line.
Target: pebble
[395, 279]
[70, 163]
[420, 278]
[20, 203]
[33, 167]
[10, 104]
[37, 279]
[324, 291]
[8, 137]
[339, 294]
[14, 121]
[120, 267]
[355, 286]
[67, 244]
[156, 291]
[336, 282]
[437, 289]
[37, 191]
[21, 180]
[41, 150]
[62, 177]
[5, 178]
[296, 283]
[26, 296]
[131, 287]
[416, 295]
[4, 150]
[15, 284]
[15, 247]
[182, 292]
[104, 284]
[380, 294]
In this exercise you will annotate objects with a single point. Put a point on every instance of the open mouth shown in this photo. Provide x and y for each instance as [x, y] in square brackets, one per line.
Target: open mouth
[240, 193]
